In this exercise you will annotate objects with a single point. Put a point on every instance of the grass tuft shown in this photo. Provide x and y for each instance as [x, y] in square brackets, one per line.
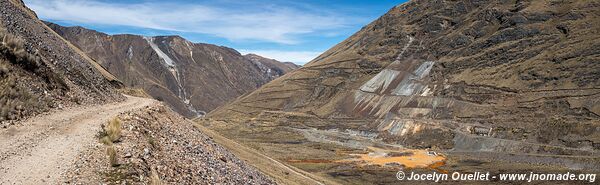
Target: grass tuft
[112, 156]
[154, 178]
[111, 132]
[108, 135]
[114, 129]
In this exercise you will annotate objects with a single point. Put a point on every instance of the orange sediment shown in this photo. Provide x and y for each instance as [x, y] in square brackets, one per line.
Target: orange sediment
[410, 159]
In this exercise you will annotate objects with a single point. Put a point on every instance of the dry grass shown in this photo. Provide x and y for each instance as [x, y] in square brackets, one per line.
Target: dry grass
[112, 156]
[154, 178]
[13, 48]
[15, 100]
[114, 129]
[111, 132]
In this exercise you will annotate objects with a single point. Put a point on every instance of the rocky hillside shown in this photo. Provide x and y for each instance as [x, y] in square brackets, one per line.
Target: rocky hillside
[491, 75]
[193, 78]
[39, 70]
[156, 145]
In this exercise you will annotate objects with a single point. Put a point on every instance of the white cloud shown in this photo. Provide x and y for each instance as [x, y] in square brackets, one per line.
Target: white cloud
[269, 23]
[297, 57]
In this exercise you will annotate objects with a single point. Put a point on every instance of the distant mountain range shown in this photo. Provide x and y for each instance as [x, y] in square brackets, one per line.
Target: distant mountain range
[193, 78]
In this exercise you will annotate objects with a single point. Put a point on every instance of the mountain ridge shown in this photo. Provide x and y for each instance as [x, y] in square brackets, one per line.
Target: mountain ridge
[193, 78]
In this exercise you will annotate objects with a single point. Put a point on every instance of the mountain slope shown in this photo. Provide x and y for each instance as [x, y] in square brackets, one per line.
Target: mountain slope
[192, 78]
[40, 70]
[474, 76]
[481, 63]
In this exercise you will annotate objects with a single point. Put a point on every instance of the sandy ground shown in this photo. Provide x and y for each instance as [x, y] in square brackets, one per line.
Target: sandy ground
[41, 149]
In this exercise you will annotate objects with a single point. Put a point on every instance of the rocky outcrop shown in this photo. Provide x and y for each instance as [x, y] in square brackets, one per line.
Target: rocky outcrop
[193, 78]
[428, 71]
[39, 70]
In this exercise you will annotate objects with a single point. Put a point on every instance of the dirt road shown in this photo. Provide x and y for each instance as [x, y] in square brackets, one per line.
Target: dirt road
[44, 147]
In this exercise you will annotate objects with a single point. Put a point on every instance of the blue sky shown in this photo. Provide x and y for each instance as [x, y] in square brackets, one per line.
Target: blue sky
[285, 30]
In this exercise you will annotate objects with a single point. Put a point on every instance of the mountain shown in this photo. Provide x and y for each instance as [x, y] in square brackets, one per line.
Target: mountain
[39, 70]
[270, 67]
[192, 78]
[471, 76]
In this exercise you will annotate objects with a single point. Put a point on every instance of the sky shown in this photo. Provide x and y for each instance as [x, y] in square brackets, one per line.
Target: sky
[295, 31]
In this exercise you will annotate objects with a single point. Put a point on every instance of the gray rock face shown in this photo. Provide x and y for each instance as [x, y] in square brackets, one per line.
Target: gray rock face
[192, 78]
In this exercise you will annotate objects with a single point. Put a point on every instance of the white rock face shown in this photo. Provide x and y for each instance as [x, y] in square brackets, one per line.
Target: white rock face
[130, 53]
[168, 61]
[411, 84]
[395, 86]
[380, 81]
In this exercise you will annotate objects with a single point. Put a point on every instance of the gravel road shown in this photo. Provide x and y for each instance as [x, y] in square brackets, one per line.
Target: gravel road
[41, 149]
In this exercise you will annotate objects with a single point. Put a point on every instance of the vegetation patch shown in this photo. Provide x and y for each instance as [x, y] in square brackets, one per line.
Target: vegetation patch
[20, 95]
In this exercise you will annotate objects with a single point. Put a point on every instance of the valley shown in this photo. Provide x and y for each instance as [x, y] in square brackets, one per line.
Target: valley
[428, 87]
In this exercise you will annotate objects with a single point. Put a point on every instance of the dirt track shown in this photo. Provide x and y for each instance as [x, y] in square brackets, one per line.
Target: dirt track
[42, 148]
